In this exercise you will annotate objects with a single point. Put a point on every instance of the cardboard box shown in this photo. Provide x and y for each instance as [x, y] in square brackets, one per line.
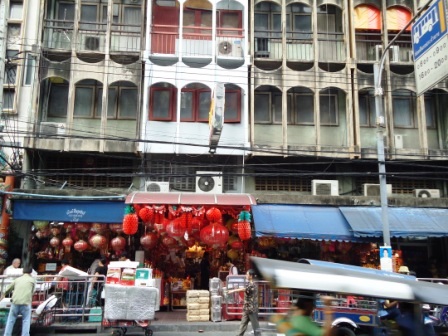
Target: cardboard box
[113, 275]
[73, 273]
[128, 277]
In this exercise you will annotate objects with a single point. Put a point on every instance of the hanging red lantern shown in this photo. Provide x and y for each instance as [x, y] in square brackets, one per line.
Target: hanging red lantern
[194, 226]
[149, 241]
[55, 241]
[98, 241]
[118, 243]
[55, 230]
[244, 231]
[67, 243]
[161, 227]
[169, 241]
[214, 215]
[146, 214]
[130, 224]
[68, 226]
[118, 228]
[80, 246]
[176, 228]
[214, 235]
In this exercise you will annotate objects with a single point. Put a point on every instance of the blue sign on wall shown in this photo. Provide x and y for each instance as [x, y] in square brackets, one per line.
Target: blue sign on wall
[429, 29]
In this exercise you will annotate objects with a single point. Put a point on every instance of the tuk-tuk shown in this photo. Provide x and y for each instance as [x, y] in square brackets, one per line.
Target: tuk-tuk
[368, 287]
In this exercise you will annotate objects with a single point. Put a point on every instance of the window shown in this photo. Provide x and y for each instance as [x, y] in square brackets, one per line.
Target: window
[328, 109]
[15, 10]
[403, 105]
[65, 14]
[304, 108]
[230, 19]
[430, 111]
[300, 26]
[8, 99]
[12, 57]
[367, 113]
[162, 103]
[57, 104]
[300, 108]
[89, 16]
[122, 101]
[197, 18]
[30, 64]
[194, 104]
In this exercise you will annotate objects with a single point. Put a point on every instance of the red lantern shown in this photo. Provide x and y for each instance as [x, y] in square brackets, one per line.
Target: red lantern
[214, 235]
[146, 214]
[118, 228]
[214, 215]
[98, 241]
[54, 242]
[67, 243]
[55, 231]
[81, 246]
[149, 241]
[194, 226]
[161, 227]
[176, 228]
[244, 231]
[130, 224]
[118, 243]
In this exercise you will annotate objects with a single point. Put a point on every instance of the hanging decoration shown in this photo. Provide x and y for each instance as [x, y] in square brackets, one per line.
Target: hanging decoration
[55, 241]
[67, 243]
[83, 227]
[118, 243]
[244, 231]
[130, 221]
[236, 244]
[214, 235]
[214, 214]
[232, 254]
[146, 214]
[176, 228]
[99, 228]
[159, 213]
[117, 228]
[161, 227]
[80, 246]
[194, 226]
[98, 241]
[55, 230]
[169, 241]
[149, 241]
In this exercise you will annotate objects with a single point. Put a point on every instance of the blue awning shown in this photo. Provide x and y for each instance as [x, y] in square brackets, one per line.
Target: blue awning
[403, 222]
[297, 221]
[69, 211]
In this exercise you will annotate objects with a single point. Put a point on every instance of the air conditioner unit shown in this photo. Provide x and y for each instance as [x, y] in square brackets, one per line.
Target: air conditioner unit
[92, 43]
[395, 54]
[209, 182]
[398, 141]
[371, 189]
[427, 193]
[230, 47]
[325, 187]
[52, 129]
[153, 186]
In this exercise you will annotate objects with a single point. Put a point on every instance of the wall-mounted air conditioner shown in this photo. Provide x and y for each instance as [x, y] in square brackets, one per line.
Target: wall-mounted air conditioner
[398, 141]
[91, 43]
[153, 186]
[230, 47]
[371, 189]
[52, 129]
[427, 193]
[209, 182]
[325, 187]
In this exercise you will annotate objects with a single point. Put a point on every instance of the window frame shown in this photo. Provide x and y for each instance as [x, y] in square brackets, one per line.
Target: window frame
[369, 100]
[412, 110]
[294, 117]
[267, 122]
[238, 106]
[172, 103]
[335, 98]
[428, 100]
[220, 31]
[94, 92]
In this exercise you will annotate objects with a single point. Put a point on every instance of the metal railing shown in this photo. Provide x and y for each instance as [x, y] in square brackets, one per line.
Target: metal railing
[72, 299]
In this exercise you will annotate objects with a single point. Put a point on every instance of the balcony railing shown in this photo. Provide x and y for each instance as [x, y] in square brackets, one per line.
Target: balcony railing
[125, 38]
[58, 34]
[369, 47]
[331, 47]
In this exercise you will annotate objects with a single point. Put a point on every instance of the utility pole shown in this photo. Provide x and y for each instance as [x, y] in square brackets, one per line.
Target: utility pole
[4, 9]
[380, 125]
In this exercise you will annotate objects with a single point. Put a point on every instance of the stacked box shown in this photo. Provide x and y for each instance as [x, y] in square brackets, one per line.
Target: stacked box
[216, 307]
[198, 305]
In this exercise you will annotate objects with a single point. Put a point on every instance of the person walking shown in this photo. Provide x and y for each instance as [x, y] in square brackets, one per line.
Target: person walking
[250, 305]
[23, 289]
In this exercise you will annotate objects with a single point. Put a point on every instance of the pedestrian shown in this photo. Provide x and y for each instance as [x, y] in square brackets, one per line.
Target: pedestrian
[299, 320]
[233, 270]
[13, 268]
[250, 306]
[100, 278]
[205, 270]
[23, 289]
[63, 284]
